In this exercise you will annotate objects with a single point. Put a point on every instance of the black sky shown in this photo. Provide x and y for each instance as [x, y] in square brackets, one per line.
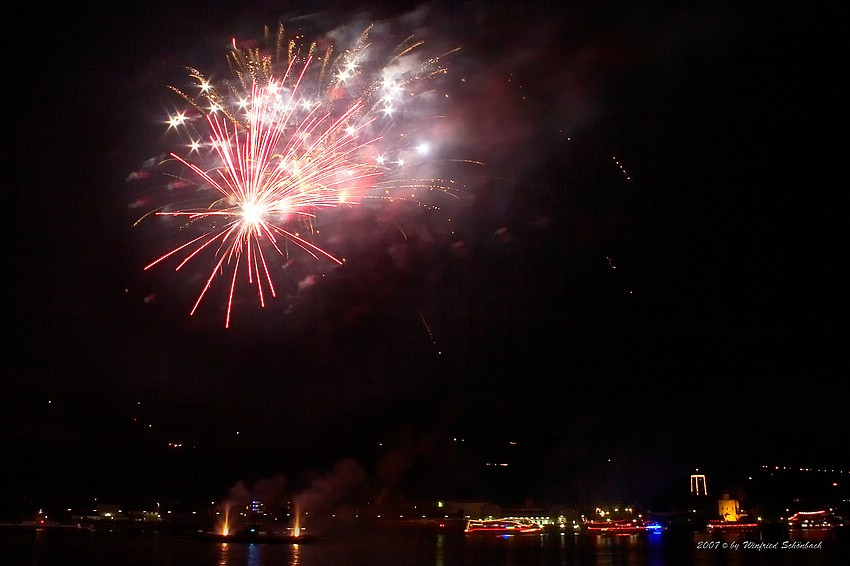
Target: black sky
[649, 280]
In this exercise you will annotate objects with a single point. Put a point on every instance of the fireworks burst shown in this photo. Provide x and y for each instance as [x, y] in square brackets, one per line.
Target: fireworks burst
[294, 131]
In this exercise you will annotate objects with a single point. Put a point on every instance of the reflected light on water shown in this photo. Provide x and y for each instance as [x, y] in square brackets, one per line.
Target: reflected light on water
[615, 549]
[224, 555]
[441, 550]
[403, 546]
[255, 555]
[296, 555]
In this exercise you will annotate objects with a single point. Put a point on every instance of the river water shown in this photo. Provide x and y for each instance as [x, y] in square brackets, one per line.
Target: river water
[420, 547]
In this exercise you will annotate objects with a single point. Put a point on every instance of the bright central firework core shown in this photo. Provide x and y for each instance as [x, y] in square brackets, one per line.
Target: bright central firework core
[251, 214]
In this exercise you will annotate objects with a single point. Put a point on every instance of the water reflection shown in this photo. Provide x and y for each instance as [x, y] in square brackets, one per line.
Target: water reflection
[414, 547]
[255, 555]
[563, 549]
[656, 549]
[296, 555]
[441, 550]
[224, 555]
[811, 535]
[619, 549]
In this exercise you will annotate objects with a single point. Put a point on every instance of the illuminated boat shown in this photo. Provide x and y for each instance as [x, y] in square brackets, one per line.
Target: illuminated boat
[252, 536]
[621, 527]
[810, 520]
[502, 527]
[721, 525]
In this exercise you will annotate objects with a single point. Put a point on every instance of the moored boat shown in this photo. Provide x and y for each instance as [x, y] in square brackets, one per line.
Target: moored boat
[720, 525]
[812, 520]
[502, 527]
[621, 527]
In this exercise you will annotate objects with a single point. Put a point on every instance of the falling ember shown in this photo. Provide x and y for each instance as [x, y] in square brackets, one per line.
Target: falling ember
[278, 144]
[622, 169]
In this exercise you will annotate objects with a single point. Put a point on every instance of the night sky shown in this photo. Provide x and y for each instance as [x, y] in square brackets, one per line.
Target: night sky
[641, 279]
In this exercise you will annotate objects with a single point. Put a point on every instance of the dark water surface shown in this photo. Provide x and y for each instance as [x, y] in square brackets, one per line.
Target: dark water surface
[414, 547]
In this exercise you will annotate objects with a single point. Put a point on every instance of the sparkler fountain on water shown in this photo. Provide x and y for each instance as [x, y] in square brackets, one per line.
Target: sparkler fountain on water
[291, 135]
[296, 527]
[225, 524]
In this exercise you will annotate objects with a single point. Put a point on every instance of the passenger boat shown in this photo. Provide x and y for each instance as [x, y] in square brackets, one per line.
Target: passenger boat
[720, 525]
[502, 527]
[621, 527]
[812, 520]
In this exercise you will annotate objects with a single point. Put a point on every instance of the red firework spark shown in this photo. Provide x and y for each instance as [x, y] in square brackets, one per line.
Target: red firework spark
[282, 166]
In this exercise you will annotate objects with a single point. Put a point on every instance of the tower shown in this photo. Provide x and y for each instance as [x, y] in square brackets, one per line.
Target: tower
[698, 486]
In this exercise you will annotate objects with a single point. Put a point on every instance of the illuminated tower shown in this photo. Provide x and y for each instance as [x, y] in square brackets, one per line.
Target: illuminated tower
[728, 508]
[698, 484]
